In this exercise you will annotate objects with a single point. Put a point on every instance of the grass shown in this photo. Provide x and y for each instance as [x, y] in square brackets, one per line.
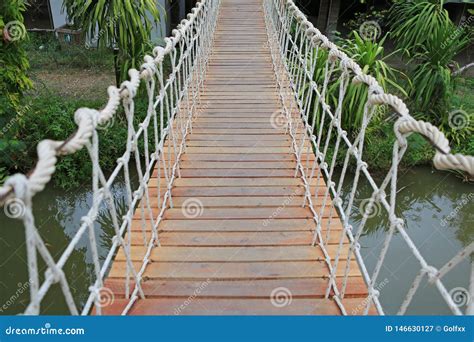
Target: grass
[46, 53]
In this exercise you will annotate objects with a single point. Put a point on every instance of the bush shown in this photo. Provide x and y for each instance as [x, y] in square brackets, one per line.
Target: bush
[52, 117]
[13, 80]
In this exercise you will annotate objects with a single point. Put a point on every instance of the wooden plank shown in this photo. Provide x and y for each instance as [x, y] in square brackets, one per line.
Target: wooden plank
[227, 306]
[216, 254]
[231, 172]
[228, 182]
[235, 270]
[248, 225]
[299, 288]
[253, 235]
[253, 238]
[242, 213]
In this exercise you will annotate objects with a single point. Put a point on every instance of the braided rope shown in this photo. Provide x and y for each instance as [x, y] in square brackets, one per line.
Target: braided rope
[169, 117]
[295, 51]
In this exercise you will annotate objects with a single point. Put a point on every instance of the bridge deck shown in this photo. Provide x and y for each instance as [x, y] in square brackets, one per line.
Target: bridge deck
[252, 237]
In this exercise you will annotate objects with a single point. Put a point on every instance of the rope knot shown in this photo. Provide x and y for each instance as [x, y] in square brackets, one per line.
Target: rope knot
[148, 69]
[19, 183]
[374, 293]
[159, 53]
[350, 64]
[87, 220]
[55, 273]
[335, 54]
[431, 272]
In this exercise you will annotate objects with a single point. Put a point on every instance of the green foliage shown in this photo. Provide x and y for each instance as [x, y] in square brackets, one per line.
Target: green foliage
[432, 76]
[14, 80]
[412, 22]
[46, 53]
[431, 41]
[125, 25]
[369, 55]
[372, 14]
[52, 117]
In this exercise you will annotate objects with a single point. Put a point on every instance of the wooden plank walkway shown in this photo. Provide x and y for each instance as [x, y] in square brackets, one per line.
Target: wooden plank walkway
[252, 236]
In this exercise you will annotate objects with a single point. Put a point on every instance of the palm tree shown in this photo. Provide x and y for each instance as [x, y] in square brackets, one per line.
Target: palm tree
[124, 26]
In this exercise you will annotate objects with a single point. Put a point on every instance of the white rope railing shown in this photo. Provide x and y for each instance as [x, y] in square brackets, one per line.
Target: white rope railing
[172, 102]
[296, 47]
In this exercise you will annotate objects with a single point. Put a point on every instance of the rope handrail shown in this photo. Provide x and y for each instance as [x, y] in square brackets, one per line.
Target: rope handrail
[296, 45]
[168, 120]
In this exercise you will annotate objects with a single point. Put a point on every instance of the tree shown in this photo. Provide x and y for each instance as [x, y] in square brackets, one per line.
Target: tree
[14, 80]
[328, 16]
[123, 25]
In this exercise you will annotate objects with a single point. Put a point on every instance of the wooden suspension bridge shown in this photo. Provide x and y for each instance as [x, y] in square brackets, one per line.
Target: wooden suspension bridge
[238, 239]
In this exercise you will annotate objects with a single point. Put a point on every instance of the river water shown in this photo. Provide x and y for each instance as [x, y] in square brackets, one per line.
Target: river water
[437, 208]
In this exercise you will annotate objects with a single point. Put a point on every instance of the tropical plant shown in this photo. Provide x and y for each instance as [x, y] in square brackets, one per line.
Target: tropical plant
[431, 41]
[14, 80]
[122, 25]
[432, 76]
[412, 22]
[369, 54]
